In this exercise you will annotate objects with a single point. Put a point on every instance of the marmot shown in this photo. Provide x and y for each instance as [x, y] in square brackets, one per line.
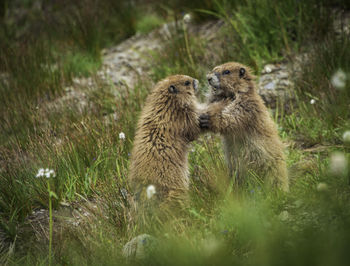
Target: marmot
[250, 138]
[169, 122]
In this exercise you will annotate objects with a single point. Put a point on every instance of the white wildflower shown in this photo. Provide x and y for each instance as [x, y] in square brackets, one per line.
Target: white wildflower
[40, 172]
[122, 136]
[52, 173]
[45, 173]
[187, 18]
[346, 136]
[338, 164]
[150, 191]
[313, 101]
[338, 79]
[322, 186]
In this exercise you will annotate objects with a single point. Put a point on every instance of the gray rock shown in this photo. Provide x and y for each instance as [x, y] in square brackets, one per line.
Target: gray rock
[341, 24]
[131, 61]
[139, 247]
[276, 84]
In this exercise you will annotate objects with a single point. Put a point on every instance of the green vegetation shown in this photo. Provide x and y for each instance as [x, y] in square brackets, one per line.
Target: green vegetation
[80, 139]
[289, 25]
[148, 23]
[328, 61]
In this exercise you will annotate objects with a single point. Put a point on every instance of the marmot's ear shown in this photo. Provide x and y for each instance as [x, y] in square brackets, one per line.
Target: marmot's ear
[241, 72]
[173, 89]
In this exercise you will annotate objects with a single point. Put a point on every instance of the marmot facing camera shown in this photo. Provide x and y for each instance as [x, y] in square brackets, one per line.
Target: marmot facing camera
[249, 135]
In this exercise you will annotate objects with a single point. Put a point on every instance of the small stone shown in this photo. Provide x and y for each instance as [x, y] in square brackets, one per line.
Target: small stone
[322, 187]
[76, 223]
[270, 86]
[139, 247]
[284, 216]
[115, 116]
[68, 89]
[346, 136]
[270, 68]
[124, 193]
[282, 75]
[284, 83]
[338, 164]
[76, 80]
[210, 246]
[65, 204]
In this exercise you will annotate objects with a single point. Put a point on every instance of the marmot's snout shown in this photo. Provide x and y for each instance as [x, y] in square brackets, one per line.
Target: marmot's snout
[195, 85]
[213, 80]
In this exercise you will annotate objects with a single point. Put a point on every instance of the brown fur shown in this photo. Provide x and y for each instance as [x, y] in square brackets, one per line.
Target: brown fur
[168, 123]
[250, 138]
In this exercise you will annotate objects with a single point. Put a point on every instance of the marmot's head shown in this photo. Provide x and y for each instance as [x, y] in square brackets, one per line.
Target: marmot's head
[180, 89]
[230, 79]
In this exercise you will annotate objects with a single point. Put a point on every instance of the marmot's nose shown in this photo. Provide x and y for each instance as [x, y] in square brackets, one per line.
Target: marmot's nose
[209, 77]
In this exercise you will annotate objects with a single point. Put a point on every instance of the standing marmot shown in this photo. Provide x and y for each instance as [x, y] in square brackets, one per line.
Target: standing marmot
[169, 122]
[250, 139]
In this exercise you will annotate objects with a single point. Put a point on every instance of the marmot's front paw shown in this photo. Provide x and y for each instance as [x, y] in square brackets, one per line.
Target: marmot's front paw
[204, 121]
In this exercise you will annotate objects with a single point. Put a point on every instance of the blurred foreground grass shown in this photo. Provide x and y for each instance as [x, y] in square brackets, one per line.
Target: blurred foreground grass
[307, 226]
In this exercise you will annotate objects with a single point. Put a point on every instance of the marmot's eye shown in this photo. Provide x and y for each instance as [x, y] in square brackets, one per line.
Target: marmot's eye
[226, 72]
[241, 72]
[187, 83]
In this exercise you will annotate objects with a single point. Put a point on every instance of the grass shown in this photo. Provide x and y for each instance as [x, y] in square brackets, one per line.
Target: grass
[263, 33]
[148, 22]
[331, 102]
[222, 226]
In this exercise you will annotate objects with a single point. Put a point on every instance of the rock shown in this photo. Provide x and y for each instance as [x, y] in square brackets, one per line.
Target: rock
[284, 216]
[276, 85]
[269, 68]
[211, 245]
[139, 247]
[131, 61]
[341, 23]
[322, 187]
